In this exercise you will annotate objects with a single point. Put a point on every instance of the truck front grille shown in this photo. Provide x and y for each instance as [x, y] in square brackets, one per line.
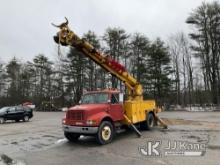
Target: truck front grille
[75, 115]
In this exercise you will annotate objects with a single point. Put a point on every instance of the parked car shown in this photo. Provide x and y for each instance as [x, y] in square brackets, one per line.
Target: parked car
[15, 113]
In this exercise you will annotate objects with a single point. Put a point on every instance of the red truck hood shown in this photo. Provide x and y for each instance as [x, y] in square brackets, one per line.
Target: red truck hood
[90, 107]
[80, 113]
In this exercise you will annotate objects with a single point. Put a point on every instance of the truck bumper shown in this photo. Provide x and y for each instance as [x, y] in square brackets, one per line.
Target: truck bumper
[79, 129]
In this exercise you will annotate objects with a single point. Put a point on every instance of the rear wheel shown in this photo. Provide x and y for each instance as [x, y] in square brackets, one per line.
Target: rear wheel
[105, 133]
[148, 124]
[72, 137]
[2, 120]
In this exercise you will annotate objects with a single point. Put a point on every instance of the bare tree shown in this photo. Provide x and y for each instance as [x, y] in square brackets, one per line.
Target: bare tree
[206, 22]
[179, 47]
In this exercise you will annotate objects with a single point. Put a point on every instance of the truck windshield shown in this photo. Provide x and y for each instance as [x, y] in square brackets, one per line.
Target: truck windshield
[94, 98]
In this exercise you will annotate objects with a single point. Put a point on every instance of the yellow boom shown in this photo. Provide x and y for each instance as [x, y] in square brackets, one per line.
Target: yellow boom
[67, 37]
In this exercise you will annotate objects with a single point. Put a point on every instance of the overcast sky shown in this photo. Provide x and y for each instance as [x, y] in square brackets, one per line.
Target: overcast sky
[26, 24]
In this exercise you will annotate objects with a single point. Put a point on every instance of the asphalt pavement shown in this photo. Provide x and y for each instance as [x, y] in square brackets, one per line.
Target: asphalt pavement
[192, 138]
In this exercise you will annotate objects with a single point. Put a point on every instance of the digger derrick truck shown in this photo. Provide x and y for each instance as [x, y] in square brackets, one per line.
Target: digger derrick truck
[104, 113]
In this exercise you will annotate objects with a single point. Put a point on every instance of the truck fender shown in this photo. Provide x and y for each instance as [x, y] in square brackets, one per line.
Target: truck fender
[99, 117]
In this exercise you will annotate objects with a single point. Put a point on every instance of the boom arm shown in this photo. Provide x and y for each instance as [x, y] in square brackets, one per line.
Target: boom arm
[67, 37]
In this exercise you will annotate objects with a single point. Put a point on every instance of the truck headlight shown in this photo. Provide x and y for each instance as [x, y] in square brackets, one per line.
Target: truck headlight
[90, 122]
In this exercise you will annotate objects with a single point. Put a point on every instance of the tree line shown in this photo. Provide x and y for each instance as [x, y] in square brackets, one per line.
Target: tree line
[183, 70]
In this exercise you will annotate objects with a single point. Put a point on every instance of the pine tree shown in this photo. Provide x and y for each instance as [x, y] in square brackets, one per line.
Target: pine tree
[116, 40]
[91, 66]
[139, 50]
[159, 70]
[13, 73]
[43, 71]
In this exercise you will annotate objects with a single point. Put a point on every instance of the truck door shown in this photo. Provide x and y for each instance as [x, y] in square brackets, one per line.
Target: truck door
[116, 108]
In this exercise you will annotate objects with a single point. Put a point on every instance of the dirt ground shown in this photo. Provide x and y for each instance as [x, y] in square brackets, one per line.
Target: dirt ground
[41, 141]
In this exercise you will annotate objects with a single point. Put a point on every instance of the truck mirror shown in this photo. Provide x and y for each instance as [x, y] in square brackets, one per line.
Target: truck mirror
[121, 97]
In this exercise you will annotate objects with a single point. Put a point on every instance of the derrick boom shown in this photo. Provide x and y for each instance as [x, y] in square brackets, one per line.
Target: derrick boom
[67, 37]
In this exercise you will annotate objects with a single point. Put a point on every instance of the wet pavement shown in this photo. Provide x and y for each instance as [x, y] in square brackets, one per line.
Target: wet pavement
[41, 141]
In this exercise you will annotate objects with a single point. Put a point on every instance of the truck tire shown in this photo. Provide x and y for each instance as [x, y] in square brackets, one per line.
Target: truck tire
[148, 124]
[105, 133]
[72, 137]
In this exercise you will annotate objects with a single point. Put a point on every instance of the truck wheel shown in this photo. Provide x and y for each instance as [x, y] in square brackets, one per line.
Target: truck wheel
[72, 137]
[148, 124]
[105, 133]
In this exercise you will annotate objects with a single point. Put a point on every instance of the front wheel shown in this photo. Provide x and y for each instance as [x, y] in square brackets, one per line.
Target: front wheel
[148, 124]
[105, 133]
[72, 137]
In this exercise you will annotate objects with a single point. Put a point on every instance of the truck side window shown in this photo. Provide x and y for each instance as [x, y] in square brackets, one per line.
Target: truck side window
[114, 99]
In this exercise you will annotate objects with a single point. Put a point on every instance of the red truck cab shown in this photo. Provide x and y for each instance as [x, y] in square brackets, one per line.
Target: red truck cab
[96, 115]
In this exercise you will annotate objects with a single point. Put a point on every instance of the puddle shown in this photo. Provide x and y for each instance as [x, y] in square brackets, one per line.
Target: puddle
[24, 140]
[61, 141]
[214, 147]
[37, 146]
[15, 143]
[192, 137]
[187, 130]
[180, 122]
[49, 136]
[6, 160]
[34, 138]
